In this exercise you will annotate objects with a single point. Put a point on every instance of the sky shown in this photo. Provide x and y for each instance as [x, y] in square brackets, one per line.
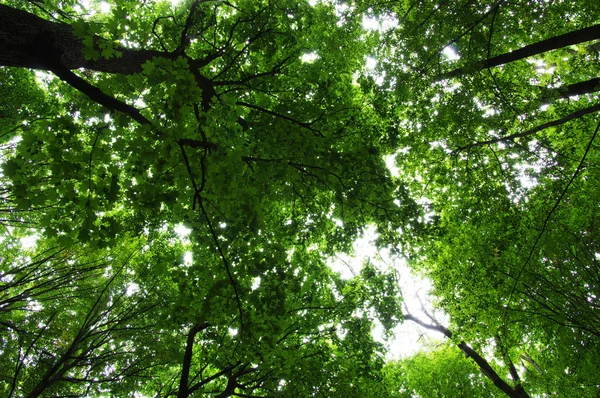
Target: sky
[409, 338]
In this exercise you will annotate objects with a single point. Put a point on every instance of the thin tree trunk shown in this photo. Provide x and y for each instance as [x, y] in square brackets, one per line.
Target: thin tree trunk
[553, 123]
[482, 363]
[553, 43]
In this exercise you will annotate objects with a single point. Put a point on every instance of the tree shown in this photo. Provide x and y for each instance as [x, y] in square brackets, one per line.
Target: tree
[441, 371]
[189, 169]
[500, 142]
[204, 115]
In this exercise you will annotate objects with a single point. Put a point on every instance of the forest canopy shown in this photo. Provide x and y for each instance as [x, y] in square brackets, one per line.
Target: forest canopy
[176, 178]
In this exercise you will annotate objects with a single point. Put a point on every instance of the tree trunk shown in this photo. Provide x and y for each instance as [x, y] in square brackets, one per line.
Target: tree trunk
[187, 359]
[27, 40]
[581, 88]
[553, 43]
[482, 363]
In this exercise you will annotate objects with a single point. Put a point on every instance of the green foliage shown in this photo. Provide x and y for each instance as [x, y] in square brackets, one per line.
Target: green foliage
[257, 128]
[442, 371]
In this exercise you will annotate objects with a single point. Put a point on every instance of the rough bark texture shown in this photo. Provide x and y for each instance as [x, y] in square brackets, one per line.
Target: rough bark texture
[553, 43]
[22, 35]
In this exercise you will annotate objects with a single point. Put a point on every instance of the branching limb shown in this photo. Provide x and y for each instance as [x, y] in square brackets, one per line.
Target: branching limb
[274, 71]
[96, 95]
[154, 25]
[545, 224]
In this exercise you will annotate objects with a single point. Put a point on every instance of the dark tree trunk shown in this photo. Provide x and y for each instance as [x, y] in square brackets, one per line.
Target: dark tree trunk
[553, 43]
[187, 360]
[27, 40]
[581, 88]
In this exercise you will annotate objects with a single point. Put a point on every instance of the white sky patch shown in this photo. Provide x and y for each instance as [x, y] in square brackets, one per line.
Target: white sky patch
[29, 242]
[409, 338]
[371, 63]
[33, 305]
[139, 103]
[380, 23]
[104, 7]
[340, 11]
[132, 289]
[390, 163]
[182, 231]
[309, 58]
[174, 3]
[450, 53]
[541, 67]
[364, 249]
[255, 283]
[187, 258]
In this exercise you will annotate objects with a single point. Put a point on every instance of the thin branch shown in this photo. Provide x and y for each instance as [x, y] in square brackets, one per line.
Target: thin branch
[274, 71]
[574, 115]
[468, 30]
[190, 20]
[227, 266]
[305, 125]
[558, 201]
[154, 25]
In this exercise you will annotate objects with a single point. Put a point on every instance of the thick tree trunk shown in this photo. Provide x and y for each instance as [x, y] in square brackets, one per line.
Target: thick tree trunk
[553, 43]
[581, 88]
[27, 40]
[187, 360]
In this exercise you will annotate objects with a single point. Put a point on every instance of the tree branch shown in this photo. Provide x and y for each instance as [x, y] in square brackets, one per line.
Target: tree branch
[305, 125]
[482, 363]
[580, 88]
[19, 30]
[577, 114]
[553, 43]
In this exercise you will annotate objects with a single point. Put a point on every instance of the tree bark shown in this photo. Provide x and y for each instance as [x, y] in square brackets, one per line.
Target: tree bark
[28, 41]
[553, 43]
[580, 88]
[187, 359]
[22, 35]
